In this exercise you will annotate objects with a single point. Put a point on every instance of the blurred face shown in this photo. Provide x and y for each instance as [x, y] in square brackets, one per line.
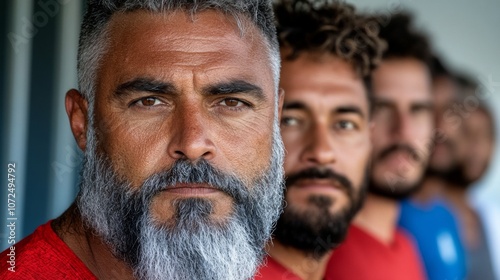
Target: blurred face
[184, 154]
[403, 124]
[445, 155]
[325, 129]
[479, 144]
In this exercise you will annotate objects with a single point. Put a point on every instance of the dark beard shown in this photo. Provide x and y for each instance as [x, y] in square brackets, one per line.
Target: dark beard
[395, 189]
[396, 192]
[454, 176]
[317, 231]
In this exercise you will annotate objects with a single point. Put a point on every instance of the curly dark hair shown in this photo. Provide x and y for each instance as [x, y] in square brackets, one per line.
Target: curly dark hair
[403, 39]
[332, 27]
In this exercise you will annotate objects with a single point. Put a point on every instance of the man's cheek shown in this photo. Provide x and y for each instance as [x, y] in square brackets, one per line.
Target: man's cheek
[249, 152]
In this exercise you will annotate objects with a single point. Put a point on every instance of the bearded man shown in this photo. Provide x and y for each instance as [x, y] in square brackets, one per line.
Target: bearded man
[329, 52]
[177, 115]
[375, 248]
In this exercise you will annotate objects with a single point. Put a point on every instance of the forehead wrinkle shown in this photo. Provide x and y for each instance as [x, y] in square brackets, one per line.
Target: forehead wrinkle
[171, 49]
[177, 36]
[182, 44]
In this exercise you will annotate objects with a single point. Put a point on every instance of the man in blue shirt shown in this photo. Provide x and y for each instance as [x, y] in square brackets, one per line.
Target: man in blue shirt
[427, 216]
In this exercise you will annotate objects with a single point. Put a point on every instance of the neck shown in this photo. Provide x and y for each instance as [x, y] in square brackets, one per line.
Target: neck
[88, 247]
[300, 263]
[379, 217]
[432, 187]
[457, 195]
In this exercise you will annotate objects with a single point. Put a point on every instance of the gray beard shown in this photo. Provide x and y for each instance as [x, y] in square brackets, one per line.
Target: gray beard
[192, 245]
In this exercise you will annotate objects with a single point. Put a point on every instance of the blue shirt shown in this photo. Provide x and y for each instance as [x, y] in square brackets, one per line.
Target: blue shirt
[435, 231]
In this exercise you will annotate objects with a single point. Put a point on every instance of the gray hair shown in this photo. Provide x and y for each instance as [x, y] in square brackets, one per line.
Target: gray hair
[93, 37]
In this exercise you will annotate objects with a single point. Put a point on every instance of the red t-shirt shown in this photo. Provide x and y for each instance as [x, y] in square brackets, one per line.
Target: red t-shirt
[43, 256]
[362, 257]
[273, 270]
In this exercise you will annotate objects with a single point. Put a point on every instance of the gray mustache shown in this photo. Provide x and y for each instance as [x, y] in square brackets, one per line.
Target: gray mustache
[202, 172]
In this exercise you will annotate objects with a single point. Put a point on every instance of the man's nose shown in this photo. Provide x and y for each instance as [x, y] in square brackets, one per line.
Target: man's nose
[191, 136]
[320, 149]
[403, 128]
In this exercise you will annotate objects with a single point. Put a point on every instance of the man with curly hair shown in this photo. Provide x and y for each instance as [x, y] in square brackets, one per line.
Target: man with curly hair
[328, 53]
[375, 248]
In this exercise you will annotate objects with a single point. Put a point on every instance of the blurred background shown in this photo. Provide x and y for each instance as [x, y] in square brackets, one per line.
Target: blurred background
[38, 65]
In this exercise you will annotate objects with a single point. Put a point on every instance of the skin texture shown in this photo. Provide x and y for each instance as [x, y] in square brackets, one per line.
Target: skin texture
[325, 124]
[168, 88]
[402, 115]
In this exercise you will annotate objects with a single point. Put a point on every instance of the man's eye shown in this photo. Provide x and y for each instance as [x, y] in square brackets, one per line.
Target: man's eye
[346, 125]
[148, 102]
[289, 121]
[231, 102]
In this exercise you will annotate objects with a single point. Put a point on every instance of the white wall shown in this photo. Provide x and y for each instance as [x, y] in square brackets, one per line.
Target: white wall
[467, 35]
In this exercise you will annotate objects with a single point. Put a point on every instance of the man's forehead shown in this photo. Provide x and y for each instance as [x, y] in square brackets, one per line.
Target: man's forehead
[330, 82]
[167, 45]
[326, 100]
[401, 90]
[208, 24]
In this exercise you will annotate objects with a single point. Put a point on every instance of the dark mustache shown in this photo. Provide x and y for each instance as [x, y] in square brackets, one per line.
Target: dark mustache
[319, 173]
[400, 148]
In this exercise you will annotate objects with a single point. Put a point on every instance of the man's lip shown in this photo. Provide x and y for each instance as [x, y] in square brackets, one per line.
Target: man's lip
[192, 189]
[400, 157]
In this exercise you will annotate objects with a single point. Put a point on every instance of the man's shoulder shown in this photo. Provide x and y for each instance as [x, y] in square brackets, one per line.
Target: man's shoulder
[362, 256]
[271, 270]
[42, 255]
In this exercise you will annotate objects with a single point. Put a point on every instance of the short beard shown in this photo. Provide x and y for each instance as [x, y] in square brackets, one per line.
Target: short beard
[193, 245]
[394, 187]
[317, 231]
[394, 192]
[454, 176]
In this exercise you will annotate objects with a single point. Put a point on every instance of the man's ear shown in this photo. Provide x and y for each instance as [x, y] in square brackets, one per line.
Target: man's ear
[77, 110]
[281, 96]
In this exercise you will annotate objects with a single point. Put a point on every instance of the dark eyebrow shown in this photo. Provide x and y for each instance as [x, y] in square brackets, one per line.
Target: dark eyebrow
[425, 105]
[349, 110]
[235, 87]
[145, 85]
[416, 106]
[294, 106]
